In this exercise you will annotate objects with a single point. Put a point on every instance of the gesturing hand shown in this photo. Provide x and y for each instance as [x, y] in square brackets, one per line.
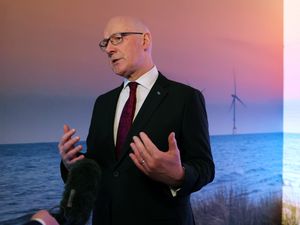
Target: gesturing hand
[67, 149]
[161, 166]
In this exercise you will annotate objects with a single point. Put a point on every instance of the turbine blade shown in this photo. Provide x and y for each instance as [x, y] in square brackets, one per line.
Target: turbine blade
[240, 101]
[234, 84]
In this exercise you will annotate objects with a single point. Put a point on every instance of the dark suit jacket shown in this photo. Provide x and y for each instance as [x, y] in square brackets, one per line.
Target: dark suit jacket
[127, 196]
[33, 222]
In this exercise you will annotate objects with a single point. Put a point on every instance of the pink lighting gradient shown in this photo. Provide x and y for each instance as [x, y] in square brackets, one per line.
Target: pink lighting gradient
[52, 68]
[291, 156]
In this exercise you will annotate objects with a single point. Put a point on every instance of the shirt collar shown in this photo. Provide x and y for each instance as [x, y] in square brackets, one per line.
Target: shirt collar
[147, 79]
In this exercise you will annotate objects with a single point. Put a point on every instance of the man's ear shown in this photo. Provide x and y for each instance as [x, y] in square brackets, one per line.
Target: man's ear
[147, 41]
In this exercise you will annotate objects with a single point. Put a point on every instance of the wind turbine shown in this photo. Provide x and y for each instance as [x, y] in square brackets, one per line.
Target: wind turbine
[235, 99]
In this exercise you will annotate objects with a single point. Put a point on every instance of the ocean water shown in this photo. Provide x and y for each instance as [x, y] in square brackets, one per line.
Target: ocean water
[30, 178]
[250, 164]
[291, 170]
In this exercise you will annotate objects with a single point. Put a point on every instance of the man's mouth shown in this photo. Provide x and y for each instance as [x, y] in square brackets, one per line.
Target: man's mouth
[114, 60]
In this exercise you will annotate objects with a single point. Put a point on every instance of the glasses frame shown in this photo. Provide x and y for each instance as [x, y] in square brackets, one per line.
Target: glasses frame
[103, 44]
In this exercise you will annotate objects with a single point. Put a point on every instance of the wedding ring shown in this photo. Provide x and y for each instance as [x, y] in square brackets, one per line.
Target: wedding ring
[143, 162]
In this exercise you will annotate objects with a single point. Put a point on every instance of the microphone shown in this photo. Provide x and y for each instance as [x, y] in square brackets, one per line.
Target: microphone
[80, 193]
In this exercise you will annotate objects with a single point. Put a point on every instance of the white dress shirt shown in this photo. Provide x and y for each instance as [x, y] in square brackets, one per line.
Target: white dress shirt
[146, 82]
[39, 220]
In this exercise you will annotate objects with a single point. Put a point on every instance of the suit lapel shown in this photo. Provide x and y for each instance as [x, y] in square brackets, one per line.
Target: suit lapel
[153, 100]
[156, 95]
[111, 111]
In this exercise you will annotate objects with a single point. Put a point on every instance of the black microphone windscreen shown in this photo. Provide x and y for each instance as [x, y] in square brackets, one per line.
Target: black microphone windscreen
[80, 192]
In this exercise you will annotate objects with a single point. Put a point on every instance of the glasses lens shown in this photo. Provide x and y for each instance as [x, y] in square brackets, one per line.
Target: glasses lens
[103, 44]
[116, 39]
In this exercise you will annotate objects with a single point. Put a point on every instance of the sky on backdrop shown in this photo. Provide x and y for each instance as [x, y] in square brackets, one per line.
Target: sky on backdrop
[291, 67]
[52, 69]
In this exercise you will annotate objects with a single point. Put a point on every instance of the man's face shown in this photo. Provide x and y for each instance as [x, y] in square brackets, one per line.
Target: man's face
[127, 57]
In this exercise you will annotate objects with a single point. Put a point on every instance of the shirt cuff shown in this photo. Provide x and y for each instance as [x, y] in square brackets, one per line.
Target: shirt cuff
[39, 220]
[174, 191]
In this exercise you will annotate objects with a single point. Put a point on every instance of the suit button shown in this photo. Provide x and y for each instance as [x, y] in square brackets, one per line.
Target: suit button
[116, 174]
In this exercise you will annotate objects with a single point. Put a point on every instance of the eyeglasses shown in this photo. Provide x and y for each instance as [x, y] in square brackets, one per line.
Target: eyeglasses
[115, 39]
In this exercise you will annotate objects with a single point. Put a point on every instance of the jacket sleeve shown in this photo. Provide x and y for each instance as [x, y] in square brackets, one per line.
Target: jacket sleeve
[33, 222]
[194, 146]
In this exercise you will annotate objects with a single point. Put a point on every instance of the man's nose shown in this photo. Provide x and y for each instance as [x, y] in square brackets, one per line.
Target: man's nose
[109, 48]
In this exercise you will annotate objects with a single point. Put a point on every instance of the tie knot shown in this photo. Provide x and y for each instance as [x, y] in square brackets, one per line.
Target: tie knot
[133, 86]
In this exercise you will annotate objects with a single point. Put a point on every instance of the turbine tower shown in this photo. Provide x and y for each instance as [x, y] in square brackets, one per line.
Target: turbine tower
[235, 99]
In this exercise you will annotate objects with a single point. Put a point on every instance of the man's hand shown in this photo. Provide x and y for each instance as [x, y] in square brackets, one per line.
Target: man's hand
[44, 215]
[67, 149]
[160, 166]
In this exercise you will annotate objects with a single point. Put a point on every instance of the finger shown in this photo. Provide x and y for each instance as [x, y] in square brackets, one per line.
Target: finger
[69, 145]
[80, 157]
[149, 145]
[137, 163]
[141, 159]
[140, 148]
[172, 142]
[66, 128]
[65, 137]
[71, 154]
[136, 152]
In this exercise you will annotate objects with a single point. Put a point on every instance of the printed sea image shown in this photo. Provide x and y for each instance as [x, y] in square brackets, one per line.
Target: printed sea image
[291, 179]
[248, 164]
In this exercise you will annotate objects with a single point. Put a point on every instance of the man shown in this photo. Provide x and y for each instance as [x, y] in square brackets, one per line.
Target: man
[148, 174]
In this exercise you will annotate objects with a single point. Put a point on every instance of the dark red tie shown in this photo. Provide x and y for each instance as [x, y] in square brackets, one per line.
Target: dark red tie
[126, 118]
